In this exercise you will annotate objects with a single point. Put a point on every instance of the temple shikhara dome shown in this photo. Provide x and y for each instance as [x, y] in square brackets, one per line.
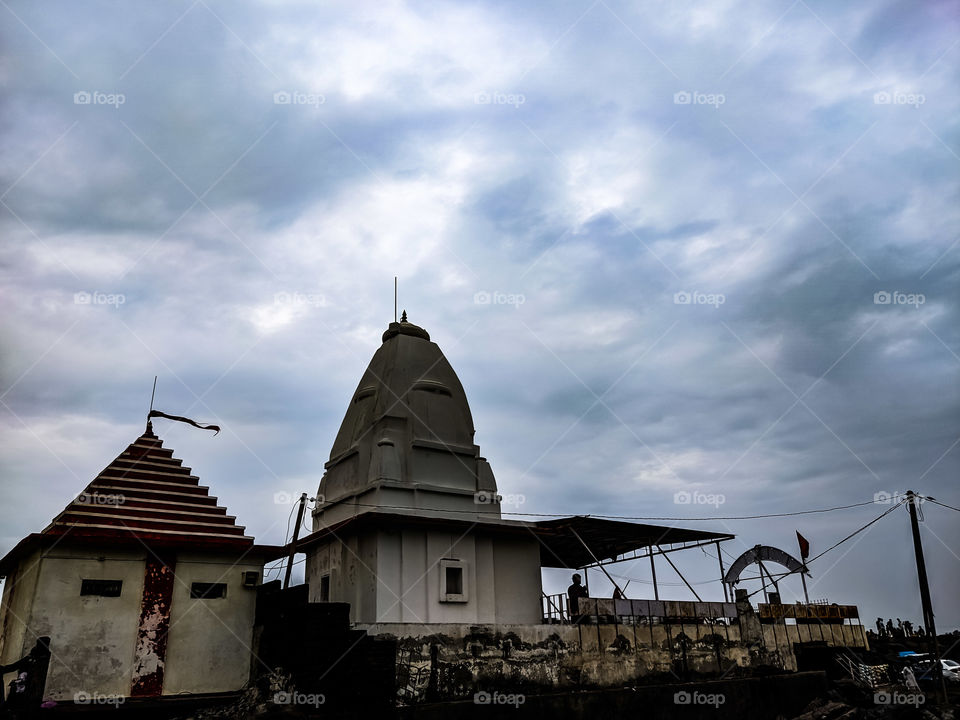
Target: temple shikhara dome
[406, 440]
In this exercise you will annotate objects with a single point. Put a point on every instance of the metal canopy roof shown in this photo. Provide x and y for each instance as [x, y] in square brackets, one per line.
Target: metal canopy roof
[608, 539]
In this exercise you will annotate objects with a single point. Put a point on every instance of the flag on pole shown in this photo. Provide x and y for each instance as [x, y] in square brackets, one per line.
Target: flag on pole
[178, 418]
[804, 546]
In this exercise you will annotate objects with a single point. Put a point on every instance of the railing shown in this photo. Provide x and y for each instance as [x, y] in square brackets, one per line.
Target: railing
[668, 609]
[868, 676]
[555, 609]
[821, 613]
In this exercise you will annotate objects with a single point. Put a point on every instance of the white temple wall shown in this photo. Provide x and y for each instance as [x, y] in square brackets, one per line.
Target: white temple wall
[210, 640]
[92, 638]
[396, 575]
[18, 591]
[518, 580]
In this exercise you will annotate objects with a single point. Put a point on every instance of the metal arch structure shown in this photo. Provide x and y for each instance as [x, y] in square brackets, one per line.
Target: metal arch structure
[759, 554]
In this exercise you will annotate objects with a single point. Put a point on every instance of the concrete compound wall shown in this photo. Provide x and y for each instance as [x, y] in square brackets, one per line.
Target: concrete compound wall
[537, 657]
[767, 698]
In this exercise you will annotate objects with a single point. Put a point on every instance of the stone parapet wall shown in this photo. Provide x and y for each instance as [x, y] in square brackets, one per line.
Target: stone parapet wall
[445, 661]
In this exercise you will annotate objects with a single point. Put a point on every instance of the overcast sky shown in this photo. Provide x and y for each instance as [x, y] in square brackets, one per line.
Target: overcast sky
[669, 247]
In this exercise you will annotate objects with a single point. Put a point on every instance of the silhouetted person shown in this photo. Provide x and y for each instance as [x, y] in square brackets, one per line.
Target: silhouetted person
[574, 593]
[26, 690]
[890, 627]
[880, 631]
[921, 632]
[908, 628]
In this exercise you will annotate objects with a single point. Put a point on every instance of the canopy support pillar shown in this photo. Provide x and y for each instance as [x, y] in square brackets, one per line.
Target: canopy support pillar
[676, 570]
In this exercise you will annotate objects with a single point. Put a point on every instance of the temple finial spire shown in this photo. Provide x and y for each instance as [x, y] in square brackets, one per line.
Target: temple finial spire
[405, 327]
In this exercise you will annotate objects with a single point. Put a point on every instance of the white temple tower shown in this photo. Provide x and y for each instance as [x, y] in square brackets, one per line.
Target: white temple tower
[408, 529]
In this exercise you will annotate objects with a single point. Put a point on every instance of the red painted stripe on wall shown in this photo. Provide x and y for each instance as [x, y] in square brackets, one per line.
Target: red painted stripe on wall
[151, 650]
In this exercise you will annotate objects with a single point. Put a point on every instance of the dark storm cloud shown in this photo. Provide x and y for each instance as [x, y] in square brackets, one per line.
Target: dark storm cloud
[585, 165]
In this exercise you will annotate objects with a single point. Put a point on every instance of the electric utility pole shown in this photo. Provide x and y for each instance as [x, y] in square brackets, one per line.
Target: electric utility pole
[929, 625]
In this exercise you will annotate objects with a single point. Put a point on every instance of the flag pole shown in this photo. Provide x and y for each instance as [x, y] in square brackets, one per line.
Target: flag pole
[152, 395]
[804, 552]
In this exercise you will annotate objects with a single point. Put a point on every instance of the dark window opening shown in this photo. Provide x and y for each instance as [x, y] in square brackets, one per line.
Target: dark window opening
[103, 588]
[454, 581]
[208, 591]
[325, 588]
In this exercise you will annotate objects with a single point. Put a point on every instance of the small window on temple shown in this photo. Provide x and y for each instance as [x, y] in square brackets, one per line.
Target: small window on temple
[208, 591]
[325, 588]
[453, 581]
[102, 588]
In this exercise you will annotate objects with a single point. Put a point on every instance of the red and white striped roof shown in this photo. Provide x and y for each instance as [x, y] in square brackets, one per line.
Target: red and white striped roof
[147, 493]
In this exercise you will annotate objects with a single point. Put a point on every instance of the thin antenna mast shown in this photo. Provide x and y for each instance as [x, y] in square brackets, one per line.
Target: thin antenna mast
[394, 298]
[152, 395]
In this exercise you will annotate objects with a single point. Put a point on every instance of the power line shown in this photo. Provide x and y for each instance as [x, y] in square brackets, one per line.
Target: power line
[937, 502]
[837, 544]
[856, 532]
[639, 517]
[739, 517]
